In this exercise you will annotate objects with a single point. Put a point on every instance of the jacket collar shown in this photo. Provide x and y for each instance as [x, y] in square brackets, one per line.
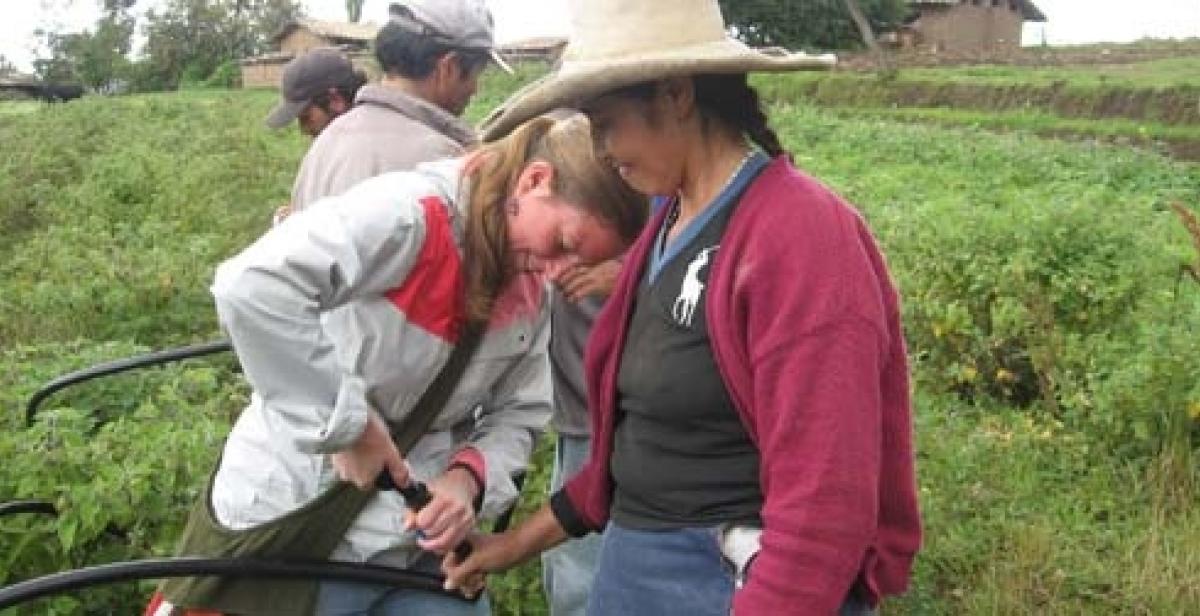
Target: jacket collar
[446, 178]
[418, 109]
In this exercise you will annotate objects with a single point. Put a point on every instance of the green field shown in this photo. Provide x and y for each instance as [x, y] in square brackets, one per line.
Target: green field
[1162, 73]
[1150, 103]
[1054, 333]
[8, 108]
[1182, 142]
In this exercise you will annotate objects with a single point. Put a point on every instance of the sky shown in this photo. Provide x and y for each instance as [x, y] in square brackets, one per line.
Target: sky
[1070, 21]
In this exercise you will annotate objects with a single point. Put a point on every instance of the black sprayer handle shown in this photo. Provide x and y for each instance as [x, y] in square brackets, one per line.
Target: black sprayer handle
[416, 496]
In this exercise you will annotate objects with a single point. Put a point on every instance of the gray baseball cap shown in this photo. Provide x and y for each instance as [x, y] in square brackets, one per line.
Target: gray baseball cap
[466, 24]
[306, 76]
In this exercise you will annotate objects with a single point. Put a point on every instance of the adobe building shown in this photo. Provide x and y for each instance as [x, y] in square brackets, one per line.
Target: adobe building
[968, 25]
[538, 49]
[303, 34]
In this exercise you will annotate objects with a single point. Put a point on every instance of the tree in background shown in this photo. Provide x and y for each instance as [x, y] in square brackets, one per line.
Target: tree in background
[809, 24]
[354, 9]
[189, 40]
[867, 35]
[117, 6]
[96, 58]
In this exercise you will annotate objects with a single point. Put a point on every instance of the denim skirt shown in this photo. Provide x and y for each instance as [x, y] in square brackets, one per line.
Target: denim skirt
[671, 572]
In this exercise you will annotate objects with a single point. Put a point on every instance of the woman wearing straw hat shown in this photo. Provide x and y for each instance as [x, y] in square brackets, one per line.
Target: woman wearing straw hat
[747, 379]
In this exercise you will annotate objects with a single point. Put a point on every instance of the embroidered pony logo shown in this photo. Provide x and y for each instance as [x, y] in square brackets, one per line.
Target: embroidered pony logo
[684, 308]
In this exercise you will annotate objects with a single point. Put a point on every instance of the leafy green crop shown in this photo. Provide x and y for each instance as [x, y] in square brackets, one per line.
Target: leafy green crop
[120, 459]
[1054, 342]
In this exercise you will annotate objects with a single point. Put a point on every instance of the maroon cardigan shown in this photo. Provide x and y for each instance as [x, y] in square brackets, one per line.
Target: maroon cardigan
[805, 327]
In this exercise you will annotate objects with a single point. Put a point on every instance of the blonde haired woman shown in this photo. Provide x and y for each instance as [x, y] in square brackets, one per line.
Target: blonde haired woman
[747, 380]
[343, 314]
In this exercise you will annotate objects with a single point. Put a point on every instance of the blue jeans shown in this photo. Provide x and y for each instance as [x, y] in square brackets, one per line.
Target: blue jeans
[567, 570]
[349, 599]
[662, 573]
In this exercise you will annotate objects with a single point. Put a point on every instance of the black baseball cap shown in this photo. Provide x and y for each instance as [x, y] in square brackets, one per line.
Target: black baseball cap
[306, 76]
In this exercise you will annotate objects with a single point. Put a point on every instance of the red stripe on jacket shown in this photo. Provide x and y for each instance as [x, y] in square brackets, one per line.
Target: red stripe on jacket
[156, 600]
[432, 296]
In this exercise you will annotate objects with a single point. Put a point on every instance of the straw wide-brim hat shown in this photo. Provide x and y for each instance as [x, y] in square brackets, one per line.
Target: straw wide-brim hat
[618, 43]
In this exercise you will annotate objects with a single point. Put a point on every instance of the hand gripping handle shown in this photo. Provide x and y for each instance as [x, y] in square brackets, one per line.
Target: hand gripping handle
[416, 496]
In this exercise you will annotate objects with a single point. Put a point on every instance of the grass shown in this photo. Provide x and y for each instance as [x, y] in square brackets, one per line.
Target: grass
[1034, 121]
[495, 86]
[1149, 103]
[1023, 516]
[1162, 73]
[1024, 513]
[115, 211]
[13, 108]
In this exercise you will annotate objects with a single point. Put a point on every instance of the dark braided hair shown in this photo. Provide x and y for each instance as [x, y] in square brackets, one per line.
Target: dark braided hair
[731, 100]
[727, 99]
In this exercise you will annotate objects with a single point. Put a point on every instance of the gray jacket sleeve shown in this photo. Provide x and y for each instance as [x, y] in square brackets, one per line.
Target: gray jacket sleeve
[512, 418]
[270, 299]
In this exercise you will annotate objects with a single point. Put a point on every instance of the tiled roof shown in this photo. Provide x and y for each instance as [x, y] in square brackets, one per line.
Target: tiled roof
[338, 30]
[536, 43]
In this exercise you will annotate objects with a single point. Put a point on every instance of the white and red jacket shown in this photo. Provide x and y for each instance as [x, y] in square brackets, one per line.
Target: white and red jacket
[351, 307]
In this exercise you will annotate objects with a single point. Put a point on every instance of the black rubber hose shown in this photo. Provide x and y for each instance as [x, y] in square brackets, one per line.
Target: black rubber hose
[58, 583]
[27, 506]
[505, 518]
[122, 365]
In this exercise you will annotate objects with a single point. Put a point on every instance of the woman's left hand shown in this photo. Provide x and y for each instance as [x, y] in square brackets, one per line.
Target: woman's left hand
[450, 515]
[374, 451]
[579, 281]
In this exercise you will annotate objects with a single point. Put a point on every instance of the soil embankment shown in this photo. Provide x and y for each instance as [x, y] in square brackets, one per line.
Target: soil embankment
[1174, 107]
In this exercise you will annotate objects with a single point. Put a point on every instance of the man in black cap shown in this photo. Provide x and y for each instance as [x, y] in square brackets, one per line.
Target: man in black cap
[317, 86]
[432, 53]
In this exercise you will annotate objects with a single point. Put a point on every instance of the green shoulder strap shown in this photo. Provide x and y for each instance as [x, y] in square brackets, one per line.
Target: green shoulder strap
[416, 423]
[308, 533]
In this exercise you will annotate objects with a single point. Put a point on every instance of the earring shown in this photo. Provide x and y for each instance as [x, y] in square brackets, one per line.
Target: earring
[512, 206]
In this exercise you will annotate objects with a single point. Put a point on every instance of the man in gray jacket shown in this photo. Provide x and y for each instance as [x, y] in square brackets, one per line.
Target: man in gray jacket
[431, 53]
